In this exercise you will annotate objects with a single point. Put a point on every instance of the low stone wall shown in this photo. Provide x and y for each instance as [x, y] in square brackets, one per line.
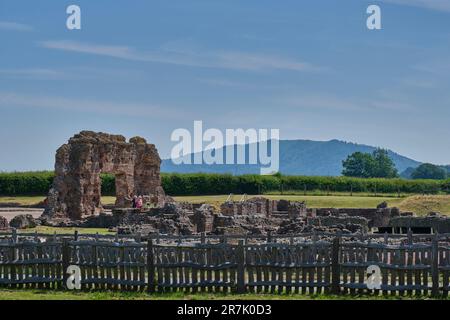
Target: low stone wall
[203, 218]
[435, 223]
[377, 217]
[238, 208]
[3, 223]
[263, 206]
[244, 224]
[360, 223]
[257, 216]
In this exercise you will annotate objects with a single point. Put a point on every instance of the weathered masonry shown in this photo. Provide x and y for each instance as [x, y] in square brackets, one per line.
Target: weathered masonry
[76, 190]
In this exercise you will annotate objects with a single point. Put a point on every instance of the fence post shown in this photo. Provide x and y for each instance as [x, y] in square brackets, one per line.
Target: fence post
[410, 236]
[269, 237]
[335, 267]
[14, 235]
[435, 266]
[370, 252]
[65, 261]
[203, 238]
[240, 257]
[150, 267]
[13, 254]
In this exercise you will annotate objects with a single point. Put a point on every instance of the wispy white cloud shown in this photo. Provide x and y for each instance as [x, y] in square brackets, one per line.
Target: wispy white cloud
[14, 100]
[14, 26]
[326, 102]
[32, 73]
[440, 5]
[187, 57]
[321, 101]
[435, 67]
[418, 82]
[71, 73]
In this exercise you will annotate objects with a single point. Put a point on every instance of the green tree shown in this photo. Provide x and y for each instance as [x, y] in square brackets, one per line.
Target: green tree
[429, 171]
[365, 165]
[358, 165]
[384, 166]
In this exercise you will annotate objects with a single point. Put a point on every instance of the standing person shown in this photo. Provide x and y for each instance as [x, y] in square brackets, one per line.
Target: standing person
[139, 202]
[134, 202]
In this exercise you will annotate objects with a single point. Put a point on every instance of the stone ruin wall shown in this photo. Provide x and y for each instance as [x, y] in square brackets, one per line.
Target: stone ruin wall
[265, 207]
[377, 217]
[3, 223]
[187, 218]
[76, 190]
[76, 195]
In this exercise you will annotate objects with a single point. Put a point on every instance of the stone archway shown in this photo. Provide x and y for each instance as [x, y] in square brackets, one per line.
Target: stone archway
[76, 190]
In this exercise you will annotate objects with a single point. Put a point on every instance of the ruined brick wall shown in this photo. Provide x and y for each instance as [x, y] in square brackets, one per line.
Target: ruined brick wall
[283, 205]
[440, 224]
[253, 206]
[227, 208]
[297, 210]
[377, 217]
[3, 223]
[333, 221]
[204, 218]
[262, 205]
[76, 190]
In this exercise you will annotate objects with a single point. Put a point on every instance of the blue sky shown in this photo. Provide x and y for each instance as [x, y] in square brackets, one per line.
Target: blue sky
[310, 68]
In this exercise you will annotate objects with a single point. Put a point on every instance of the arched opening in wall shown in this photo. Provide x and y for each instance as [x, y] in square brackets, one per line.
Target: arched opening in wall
[108, 189]
[115, 190]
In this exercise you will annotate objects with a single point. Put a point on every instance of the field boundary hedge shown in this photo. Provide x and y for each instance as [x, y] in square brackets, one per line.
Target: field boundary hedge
[38, 183]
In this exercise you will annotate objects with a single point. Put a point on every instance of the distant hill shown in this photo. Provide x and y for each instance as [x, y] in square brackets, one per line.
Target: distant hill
[298, 157]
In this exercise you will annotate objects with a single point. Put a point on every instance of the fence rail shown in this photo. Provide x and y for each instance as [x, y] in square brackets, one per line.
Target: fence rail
[419, 266]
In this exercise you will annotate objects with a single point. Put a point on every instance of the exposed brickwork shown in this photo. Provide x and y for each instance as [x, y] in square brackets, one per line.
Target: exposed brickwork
[76, 190]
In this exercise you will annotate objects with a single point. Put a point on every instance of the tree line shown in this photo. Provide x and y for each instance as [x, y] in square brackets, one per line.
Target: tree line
[380, 165]
[38, 183]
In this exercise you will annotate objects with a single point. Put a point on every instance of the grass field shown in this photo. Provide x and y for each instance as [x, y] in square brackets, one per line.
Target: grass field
[30, 294]
[416, 203]
[311, 201]
[25, 200]
[60, 230]
[419, 204]
[422, 205]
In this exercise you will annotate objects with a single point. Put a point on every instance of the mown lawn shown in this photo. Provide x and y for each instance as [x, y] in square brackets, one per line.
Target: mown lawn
[23, 200]
[61, 230]
[420, 204]
[33, 200]
[29, 294]
[337, 201]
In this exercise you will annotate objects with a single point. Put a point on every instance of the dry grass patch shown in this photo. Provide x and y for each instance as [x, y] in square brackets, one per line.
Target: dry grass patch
[422, 205]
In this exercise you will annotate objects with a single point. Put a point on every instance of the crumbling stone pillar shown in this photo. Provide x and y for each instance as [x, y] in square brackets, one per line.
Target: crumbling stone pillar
[3, 223]
[204, 218]
[297, 210]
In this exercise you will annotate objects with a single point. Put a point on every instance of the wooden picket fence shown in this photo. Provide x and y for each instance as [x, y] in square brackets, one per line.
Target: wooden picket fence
[334, 265]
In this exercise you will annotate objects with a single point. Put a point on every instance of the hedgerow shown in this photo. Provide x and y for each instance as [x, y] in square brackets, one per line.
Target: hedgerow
[38, 183]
